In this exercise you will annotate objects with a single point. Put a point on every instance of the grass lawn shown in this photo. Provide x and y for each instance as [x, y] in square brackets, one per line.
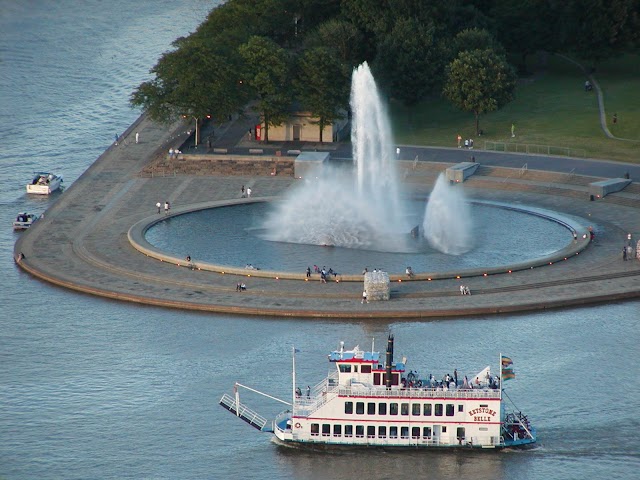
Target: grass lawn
[550, 108]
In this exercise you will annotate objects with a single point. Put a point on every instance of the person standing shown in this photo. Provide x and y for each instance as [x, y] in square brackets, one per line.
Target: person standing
[397, 152]
[364, 297]
[117, 137]
[615, 119]
[167, 206]
[513, 130]
[248, 192]
[242, 191]
[459, 141]
[308, 272]
[158, 205]
[137, 137]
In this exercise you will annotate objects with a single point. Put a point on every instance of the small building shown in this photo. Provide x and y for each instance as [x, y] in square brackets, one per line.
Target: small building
[302, 127]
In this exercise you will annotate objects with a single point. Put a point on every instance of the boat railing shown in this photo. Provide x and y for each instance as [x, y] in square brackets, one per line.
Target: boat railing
[419, 393]
[320, 394]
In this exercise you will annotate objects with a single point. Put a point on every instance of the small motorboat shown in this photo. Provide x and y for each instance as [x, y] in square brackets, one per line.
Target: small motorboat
[44, 183]
[24, 220]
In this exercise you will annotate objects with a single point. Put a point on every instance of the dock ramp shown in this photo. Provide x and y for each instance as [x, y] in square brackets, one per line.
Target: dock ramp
[245, 413]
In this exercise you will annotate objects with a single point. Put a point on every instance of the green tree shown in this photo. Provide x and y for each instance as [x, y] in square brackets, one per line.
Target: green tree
[191, 81]
[479, 81]
[340, 36]
[599, 29]
[474, 39]
[322, 86]
[409, 62]
[266, 73]
[526, 26]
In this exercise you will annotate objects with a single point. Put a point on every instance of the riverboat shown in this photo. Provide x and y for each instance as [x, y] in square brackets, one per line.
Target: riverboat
[24, 220]
[44, 183]
[368, 402]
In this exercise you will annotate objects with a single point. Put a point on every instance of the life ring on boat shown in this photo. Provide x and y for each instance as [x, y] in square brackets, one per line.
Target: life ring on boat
[298, 425]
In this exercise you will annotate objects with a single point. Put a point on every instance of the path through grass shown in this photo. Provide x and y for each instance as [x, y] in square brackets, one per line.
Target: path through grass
[550, 108]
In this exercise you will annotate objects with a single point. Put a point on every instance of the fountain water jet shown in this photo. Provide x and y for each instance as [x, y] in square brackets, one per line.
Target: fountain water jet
[447, 220]
[339, 210]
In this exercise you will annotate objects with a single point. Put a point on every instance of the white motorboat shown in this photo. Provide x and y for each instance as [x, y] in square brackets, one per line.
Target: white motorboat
[24, 220]
[44, 183]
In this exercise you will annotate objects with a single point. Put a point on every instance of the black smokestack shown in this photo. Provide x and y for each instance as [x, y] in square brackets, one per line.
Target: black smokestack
[389, 361]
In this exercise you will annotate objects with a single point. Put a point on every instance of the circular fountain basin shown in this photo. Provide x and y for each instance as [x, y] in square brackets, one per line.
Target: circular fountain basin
[502, 235]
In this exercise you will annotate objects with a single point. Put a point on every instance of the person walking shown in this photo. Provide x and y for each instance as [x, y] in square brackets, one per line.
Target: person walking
[158, 205]
[459, 141]
[513, 130]
[248, 193]
[167, 206]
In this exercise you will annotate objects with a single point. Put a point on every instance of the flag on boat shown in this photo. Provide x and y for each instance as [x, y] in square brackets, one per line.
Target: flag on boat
[507, 372]
[295, 350]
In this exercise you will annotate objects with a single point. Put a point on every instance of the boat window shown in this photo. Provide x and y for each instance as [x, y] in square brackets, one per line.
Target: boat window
[427, 410]
[348, 430]
[450, 409]
[345, 368]
[444, 429]
[348, 407]
[460, 435]
[371, 431]
[415, 432]
[360, 408]
[382, 409]
[393, 409]
[415, 409]
[404, 432]
[366, 369]
[382, 432]
[393, 432]
[404, 408]
[359, 431]
[337, 430]
[315, 428]
[371, 408]
[426, 432]
[483, 405]
[461, 408]
[483, 429]
[376, 379]
[438, 409]
[395, 379]
[326, 429]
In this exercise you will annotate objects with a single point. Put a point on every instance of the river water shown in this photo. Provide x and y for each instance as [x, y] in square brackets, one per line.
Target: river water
[91, 388]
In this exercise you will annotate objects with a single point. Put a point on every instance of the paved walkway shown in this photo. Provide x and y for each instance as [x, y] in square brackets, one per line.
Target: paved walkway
[82, 244]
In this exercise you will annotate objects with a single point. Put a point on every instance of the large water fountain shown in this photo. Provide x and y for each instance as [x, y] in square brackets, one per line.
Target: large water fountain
[359, 207]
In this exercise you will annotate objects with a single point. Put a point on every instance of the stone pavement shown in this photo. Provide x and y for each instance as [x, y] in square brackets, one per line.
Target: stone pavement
[83, 243]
